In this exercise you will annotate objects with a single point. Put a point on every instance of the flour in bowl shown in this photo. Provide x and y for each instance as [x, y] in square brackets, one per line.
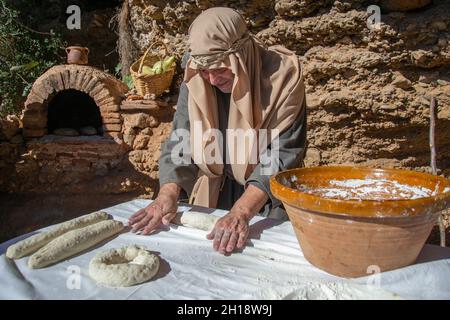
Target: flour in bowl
[368, 189]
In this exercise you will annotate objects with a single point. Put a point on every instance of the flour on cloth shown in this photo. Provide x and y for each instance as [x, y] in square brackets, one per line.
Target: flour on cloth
[339, 290]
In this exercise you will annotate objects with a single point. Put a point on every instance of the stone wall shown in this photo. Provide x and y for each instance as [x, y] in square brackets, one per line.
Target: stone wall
[145, 127]
[11, 146]
[54, 164]
[368, 90]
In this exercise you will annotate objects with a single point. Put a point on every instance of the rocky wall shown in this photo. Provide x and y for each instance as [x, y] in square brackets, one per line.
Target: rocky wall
[145, 128]
[368, 89]
[11, 146]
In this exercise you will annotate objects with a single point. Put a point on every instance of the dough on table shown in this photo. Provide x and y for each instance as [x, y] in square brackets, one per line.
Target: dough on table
[196, 220]
[73, 242]
[33, 243]
[123, 267]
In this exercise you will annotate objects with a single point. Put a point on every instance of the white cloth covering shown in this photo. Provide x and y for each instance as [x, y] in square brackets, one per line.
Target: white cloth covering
[271, 266]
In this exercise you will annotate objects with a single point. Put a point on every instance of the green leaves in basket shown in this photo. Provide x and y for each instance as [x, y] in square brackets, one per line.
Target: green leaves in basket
[160, 66]
[167, 64]
[147, 70]
[157, 68]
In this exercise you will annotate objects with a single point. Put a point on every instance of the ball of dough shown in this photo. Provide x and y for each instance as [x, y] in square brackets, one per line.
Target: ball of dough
[124, 267]
[196, 220]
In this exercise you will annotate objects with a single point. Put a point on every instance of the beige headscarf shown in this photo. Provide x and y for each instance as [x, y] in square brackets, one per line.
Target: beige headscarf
[267, 91]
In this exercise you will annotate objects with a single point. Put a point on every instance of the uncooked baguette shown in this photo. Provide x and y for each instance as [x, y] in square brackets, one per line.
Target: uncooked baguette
[33, 243]
[74, 242]
[196, 220]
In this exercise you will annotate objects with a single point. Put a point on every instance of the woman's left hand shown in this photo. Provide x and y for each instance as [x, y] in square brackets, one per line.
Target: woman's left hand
[230, 232]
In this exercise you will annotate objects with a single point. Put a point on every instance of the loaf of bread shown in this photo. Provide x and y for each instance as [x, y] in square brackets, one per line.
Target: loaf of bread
[74, 242]
[33, 243]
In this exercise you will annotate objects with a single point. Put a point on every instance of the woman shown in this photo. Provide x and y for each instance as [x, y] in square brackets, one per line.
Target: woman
[232, 82]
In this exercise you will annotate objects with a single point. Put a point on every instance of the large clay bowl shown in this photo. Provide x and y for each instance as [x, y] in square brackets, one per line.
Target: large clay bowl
[353, 238]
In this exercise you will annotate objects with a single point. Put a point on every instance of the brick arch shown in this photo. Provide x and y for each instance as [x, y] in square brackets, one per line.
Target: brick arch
[107, 92]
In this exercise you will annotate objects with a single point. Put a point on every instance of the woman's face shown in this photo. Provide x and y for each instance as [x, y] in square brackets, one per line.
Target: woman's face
[222, 78]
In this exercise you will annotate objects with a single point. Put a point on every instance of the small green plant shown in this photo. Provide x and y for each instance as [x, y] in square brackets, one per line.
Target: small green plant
[24, 55]
[126, 79]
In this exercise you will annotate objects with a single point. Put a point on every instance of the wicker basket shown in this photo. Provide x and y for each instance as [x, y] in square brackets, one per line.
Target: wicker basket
[151, 84]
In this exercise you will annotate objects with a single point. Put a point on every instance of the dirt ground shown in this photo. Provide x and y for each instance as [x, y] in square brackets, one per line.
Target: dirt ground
[22, 213]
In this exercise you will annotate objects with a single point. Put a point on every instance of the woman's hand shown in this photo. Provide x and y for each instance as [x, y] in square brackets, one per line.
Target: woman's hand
[162, 210]
[230, 232]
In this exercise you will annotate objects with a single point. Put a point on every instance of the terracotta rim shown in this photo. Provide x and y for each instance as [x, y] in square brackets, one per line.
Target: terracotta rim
[389, 208]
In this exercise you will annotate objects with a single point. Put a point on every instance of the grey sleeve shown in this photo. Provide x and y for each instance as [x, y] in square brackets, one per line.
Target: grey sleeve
[183, 173]
[292, 147]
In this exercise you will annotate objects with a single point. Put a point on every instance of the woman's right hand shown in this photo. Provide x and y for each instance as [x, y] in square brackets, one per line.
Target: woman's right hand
[162, 210]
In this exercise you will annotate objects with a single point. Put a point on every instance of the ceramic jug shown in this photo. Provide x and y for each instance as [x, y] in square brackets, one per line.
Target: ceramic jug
[77, 55]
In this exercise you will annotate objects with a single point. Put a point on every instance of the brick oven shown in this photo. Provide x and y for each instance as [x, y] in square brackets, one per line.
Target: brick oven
[79, 133]
[74, 100]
